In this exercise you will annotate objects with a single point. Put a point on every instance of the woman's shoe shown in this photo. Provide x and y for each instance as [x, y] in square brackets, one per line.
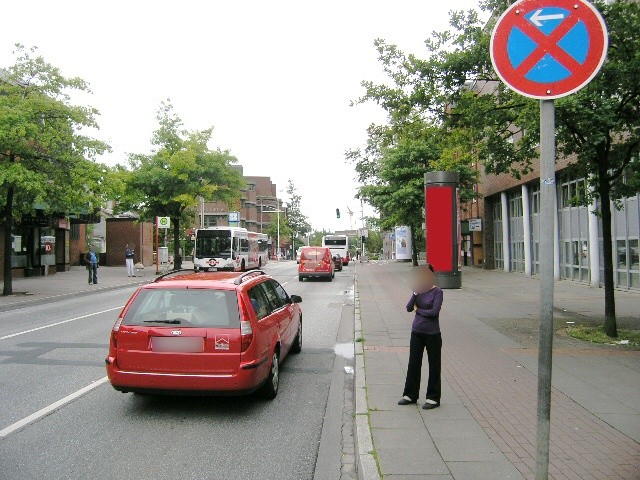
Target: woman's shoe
[406, 401]
[429, 404]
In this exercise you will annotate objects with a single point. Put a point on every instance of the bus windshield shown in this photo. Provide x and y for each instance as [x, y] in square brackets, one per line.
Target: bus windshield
[335, 242]
[213, 243]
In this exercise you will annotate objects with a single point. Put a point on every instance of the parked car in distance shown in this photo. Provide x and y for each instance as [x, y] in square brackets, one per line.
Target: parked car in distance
[298, 255]
[345, 259]
[218, 333]
[315, 262]
[337, 262]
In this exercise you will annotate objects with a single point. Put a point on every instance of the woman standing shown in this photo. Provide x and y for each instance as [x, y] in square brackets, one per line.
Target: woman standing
[426, 301]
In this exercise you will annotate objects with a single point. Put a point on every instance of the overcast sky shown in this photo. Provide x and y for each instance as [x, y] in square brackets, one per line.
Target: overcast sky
[274, 79]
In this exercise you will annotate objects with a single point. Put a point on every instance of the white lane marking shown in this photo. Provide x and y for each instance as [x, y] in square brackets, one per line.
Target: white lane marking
[60, 323]
[284, 283]
[51, 408]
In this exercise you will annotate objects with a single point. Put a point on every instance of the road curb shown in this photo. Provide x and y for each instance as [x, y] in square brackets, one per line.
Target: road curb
[64, 296]
[365, 459]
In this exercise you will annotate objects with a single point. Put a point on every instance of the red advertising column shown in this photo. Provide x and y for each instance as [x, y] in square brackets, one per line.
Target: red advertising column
[442, 223]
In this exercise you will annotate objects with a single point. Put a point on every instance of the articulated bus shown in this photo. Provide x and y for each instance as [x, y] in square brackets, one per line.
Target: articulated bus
[229, 248]
[338, 244]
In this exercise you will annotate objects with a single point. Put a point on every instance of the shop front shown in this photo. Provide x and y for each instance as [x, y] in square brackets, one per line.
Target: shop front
[40, 246]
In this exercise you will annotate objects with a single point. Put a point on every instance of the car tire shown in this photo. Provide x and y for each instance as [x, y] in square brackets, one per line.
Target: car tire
[296, 347]
[300, 278]
[269, 390]
[242, 266]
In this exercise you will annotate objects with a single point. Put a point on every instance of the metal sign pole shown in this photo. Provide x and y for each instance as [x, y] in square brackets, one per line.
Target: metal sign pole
[547, 195]
[157, 247]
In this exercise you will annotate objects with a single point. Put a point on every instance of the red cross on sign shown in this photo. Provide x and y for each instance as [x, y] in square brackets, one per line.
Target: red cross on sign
[548, 49]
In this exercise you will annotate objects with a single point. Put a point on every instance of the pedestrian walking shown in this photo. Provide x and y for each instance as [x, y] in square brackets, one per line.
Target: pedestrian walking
[129, 254]
[91, 260]
[426, 301]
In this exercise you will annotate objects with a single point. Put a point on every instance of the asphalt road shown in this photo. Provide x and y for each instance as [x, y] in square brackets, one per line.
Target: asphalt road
[95, 432]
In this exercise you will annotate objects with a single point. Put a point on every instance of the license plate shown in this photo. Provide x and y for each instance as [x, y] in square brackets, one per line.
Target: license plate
[181, 345]
[213, 269]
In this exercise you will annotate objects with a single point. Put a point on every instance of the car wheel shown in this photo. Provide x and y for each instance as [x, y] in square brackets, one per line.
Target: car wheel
[270, 388]
[300, 278]
[242, 266]
[297, 342]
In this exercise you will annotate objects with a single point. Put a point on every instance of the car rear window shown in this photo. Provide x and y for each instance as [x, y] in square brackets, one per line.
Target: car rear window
[313, 253]
[184, 307]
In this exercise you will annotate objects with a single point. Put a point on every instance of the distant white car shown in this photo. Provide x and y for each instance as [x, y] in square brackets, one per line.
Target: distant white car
[298, 255]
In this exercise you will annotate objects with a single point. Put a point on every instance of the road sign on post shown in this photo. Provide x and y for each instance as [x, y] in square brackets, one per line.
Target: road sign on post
[164, 222]
[547, 49]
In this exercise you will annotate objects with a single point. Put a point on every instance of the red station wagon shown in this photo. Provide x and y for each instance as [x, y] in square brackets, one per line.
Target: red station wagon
[315, 262]
[205, 332]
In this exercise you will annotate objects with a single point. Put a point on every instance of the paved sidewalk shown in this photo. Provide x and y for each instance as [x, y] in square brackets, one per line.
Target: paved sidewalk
[33, 290]
[485, 426]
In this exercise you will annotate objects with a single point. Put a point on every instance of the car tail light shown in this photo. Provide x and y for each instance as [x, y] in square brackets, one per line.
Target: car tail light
[247, 335]
[114, 332]
[246, 331]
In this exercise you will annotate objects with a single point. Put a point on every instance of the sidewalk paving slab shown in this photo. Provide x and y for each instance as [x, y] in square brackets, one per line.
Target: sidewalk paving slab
[485, 426]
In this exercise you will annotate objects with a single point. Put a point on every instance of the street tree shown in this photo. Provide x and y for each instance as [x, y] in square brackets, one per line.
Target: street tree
[46, 156]
[279, 228]
[391, 169]
[181, 168]
[298, 221]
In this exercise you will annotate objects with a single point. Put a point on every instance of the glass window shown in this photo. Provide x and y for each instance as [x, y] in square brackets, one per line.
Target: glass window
[565, 196]
[210, 221]
[621, 257]
[634, 254]
[272, 296]
[184, 307]
[213, 243]
[259, 302]
[282, 295]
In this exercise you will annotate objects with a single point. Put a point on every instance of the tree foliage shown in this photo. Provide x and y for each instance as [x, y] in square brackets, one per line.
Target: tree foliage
[297, 220]
[181, 168]
[46, 158]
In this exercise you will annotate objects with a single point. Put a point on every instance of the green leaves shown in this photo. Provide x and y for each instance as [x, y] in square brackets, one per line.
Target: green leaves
[169, 180]
[45, 158]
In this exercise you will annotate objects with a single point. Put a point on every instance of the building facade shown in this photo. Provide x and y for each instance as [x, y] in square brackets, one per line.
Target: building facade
[510, 235]
[257, 201]
[44, 244]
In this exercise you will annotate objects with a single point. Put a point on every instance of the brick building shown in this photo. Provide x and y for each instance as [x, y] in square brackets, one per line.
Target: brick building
[139, 235]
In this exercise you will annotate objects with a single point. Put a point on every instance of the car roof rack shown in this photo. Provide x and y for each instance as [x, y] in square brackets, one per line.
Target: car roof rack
[172, 272]
[241, 278]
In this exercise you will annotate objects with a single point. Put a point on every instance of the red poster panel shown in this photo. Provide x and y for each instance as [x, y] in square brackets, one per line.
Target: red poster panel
[439, 231]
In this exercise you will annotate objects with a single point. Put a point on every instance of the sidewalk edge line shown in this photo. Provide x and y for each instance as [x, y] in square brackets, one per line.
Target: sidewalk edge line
[367, 467]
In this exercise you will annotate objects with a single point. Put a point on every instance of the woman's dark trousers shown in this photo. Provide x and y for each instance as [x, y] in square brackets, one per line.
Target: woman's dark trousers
[417, 345]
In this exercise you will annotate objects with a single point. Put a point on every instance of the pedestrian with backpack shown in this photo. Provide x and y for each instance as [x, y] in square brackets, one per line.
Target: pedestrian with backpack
[91, 260]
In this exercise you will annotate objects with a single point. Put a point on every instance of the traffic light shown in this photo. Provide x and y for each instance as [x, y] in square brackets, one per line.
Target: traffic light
[337, 213]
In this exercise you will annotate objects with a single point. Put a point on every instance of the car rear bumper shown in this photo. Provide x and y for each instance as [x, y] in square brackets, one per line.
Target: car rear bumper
[249, 378]
[314, 274]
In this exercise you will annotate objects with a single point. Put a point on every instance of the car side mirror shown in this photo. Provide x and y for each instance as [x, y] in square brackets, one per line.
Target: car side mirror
[296, 298]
